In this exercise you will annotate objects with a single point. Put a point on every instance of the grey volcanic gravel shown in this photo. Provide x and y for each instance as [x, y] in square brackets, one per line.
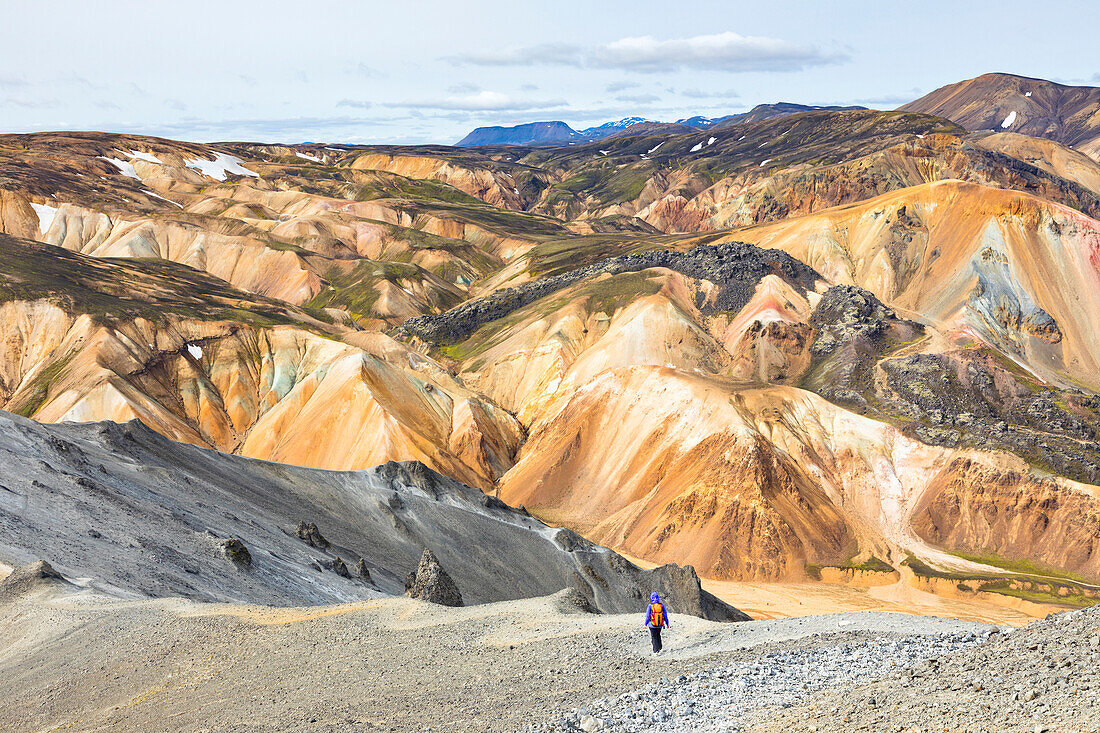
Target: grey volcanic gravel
[75, 660]
[1043, 677]
[727, 698]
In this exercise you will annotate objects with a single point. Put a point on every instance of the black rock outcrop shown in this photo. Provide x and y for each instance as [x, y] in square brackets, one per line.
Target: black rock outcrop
[307, 532]
[235, 552]
[735, 267]
[430, 582]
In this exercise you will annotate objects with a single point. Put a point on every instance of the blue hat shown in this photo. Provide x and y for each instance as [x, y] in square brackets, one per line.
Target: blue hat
[654, 597]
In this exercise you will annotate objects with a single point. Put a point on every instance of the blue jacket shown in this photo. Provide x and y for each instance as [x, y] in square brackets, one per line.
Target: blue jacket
[649, 615]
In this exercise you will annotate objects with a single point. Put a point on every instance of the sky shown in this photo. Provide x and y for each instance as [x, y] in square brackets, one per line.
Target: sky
[422, 71]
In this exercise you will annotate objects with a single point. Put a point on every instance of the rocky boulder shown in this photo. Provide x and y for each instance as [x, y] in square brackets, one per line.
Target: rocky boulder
[235, 552]
[430, 582]
[307, 532]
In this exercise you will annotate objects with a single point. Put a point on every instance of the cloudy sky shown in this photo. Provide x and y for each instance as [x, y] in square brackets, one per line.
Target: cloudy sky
[406, 71]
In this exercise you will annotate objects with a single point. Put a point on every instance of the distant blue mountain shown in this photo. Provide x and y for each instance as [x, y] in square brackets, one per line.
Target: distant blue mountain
[530, 133]
[559, 133]
[610, 128]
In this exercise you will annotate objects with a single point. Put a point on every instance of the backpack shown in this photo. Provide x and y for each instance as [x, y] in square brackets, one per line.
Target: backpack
[656, 615]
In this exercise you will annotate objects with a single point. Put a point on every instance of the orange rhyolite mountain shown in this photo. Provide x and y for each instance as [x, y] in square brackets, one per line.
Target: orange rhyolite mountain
[897, 370]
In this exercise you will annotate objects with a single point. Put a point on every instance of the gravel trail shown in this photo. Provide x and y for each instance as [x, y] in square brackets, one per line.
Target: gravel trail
[725, 699]
[1043, 678]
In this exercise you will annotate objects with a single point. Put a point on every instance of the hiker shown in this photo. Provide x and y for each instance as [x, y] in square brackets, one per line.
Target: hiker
[656, 618]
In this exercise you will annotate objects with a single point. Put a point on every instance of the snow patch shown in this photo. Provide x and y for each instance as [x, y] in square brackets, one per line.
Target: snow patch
[45, 216]
[149, 157]
[1027, 94]
[194, 350]
[766, 161]
[1009, 120]
[921, 136]
[303, 156]
[697, 148]
[158, 196]
[220, 166]
[653, 150]
[604, 152]
[712, 141]
[125, 167]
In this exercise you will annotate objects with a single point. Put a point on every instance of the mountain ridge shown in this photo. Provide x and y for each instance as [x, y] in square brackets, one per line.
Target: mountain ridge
[557, 132]
[1008, 102]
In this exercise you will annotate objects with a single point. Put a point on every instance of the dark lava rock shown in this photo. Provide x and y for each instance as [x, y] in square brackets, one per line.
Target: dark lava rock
[235, 551]
[971, 398]
[337, 566]
[571, 600]
[1042, 325]
[847, 313]
[570, 541]
[735, 267]
[308, 533]
[431, 583]
[362, 571]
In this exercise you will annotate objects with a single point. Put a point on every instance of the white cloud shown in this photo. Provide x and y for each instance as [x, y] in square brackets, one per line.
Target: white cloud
[463, 88]
[354, 103]
[483, 101]
[29, 102]
[619, 86]
[714, 52]
[705, 93]
[720, 51]
[566, 54]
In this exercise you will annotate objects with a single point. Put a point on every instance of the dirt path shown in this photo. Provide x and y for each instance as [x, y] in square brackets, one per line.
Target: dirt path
[83, 662]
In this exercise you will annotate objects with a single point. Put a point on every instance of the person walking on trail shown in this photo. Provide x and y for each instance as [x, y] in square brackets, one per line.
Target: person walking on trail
[656, 618]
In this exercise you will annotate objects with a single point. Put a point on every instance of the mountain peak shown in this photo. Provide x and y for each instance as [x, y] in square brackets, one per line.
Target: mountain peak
[1011, 103]
[529, 133]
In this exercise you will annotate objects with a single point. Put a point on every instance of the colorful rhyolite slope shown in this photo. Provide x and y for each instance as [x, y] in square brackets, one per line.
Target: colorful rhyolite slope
[900, 375]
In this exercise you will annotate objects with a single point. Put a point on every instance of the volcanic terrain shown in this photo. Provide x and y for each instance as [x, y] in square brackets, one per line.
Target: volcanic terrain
[833, 341]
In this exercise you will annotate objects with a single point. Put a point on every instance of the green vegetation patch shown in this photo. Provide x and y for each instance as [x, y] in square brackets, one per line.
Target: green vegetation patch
[870, 565]
[39, 388]
[606, 296]
[1072, 596]
[1024, 583]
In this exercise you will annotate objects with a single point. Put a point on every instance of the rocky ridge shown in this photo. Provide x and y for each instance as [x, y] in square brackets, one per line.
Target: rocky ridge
[144, 517]
[733, 266]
